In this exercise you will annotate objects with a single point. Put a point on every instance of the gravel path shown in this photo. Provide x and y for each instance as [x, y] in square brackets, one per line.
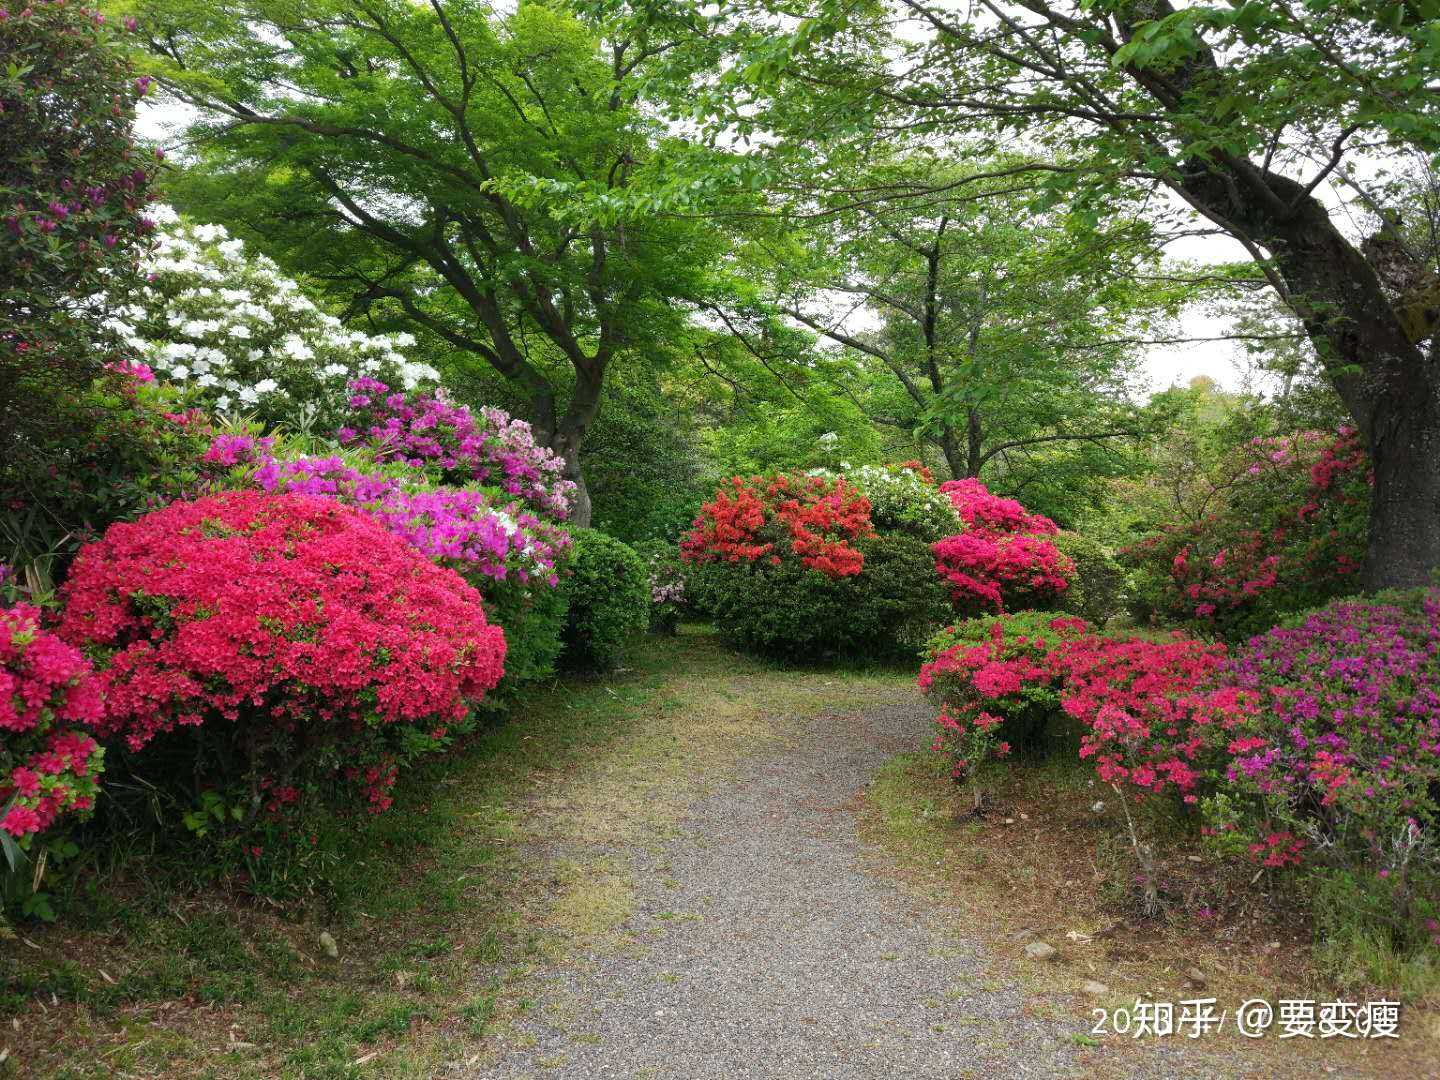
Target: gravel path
[767, 951]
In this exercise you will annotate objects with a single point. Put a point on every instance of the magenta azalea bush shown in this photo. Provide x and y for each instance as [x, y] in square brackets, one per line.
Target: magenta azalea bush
[1339, 762]
[996, 684]
[302, 636]
[49, 701]
[1005, 559]
[429, 431]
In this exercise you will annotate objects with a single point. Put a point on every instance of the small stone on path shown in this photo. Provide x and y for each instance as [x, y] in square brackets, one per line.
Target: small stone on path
[1040, 950]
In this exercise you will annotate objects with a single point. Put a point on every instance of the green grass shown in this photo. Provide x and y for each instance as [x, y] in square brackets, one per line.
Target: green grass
[440, 907]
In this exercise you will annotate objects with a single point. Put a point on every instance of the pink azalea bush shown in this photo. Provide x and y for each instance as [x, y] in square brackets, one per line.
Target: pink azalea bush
[1288, 532]
[299, 632]
[995, 683]
[49, 698]
[1004, 559]
[489, 447]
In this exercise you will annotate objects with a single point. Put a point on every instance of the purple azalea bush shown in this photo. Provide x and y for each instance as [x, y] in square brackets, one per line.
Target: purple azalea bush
[1339, 763]
[460, 526]
[428, 431]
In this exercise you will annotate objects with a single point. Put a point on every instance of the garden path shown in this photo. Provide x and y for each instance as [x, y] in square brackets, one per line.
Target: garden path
[761, 945]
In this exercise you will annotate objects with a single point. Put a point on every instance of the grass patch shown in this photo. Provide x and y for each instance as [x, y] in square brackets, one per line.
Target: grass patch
[504, 857]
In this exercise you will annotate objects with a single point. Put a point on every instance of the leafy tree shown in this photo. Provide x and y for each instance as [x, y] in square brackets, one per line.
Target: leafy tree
[1241, 112]
[73, 185]
[1004, 334]
[482, 177]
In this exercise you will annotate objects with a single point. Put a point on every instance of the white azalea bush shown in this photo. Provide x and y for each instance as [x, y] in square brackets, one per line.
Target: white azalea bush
[225, 324]
[903, 498]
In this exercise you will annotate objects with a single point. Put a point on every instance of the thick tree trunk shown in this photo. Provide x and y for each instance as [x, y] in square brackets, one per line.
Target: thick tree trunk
[1404, 543]
[1388, 384]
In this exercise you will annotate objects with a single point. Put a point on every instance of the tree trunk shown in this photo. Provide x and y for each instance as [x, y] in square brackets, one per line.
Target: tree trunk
[1388, 384]
[1404, 542]
[569, 433]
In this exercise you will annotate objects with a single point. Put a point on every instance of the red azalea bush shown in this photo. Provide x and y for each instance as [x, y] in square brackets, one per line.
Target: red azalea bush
[49, 764]
[1004, 559]
[1289, 532]
[297, 632]
[995, 683]
[815, 519]
[1149, 708]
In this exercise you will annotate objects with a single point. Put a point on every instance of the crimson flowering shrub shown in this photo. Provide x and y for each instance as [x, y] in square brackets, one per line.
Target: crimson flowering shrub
[980, 509]
[1340, 762]
[1149, 708]
[1004, 559]
[1288, 533]
[489, 447]
[814, 519]
[996, 684]
[299, 633]
[49, 698]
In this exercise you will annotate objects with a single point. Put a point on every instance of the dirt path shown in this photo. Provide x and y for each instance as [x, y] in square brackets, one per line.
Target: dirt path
[759, 946]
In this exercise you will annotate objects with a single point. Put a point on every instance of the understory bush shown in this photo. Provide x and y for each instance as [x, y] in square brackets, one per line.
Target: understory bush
[607, 597]
[669, 596]
[792, 612]
[1286, 531]
[794, 567]
[1096, 591]
[298, 641]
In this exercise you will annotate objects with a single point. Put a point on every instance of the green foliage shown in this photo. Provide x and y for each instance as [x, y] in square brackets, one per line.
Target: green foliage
[646, 472]
[668, 579]
[1097, 591]
[794, 613]
[1360, 942]
[73, 185]
[607, 592]
[533, 618]
[111, 453]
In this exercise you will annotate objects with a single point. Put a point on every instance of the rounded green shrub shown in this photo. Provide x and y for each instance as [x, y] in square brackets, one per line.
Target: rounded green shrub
[608, 597]
[534, 623]
[792, 612]
[1097, 590]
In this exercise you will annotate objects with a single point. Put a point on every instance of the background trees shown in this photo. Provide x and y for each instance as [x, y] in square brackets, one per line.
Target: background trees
[1244, 114]
[479, 177]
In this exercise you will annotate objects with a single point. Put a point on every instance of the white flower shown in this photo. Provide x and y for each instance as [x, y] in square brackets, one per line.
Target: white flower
[222, 402]
[266, 386]
[249, 395]
[239, 331]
